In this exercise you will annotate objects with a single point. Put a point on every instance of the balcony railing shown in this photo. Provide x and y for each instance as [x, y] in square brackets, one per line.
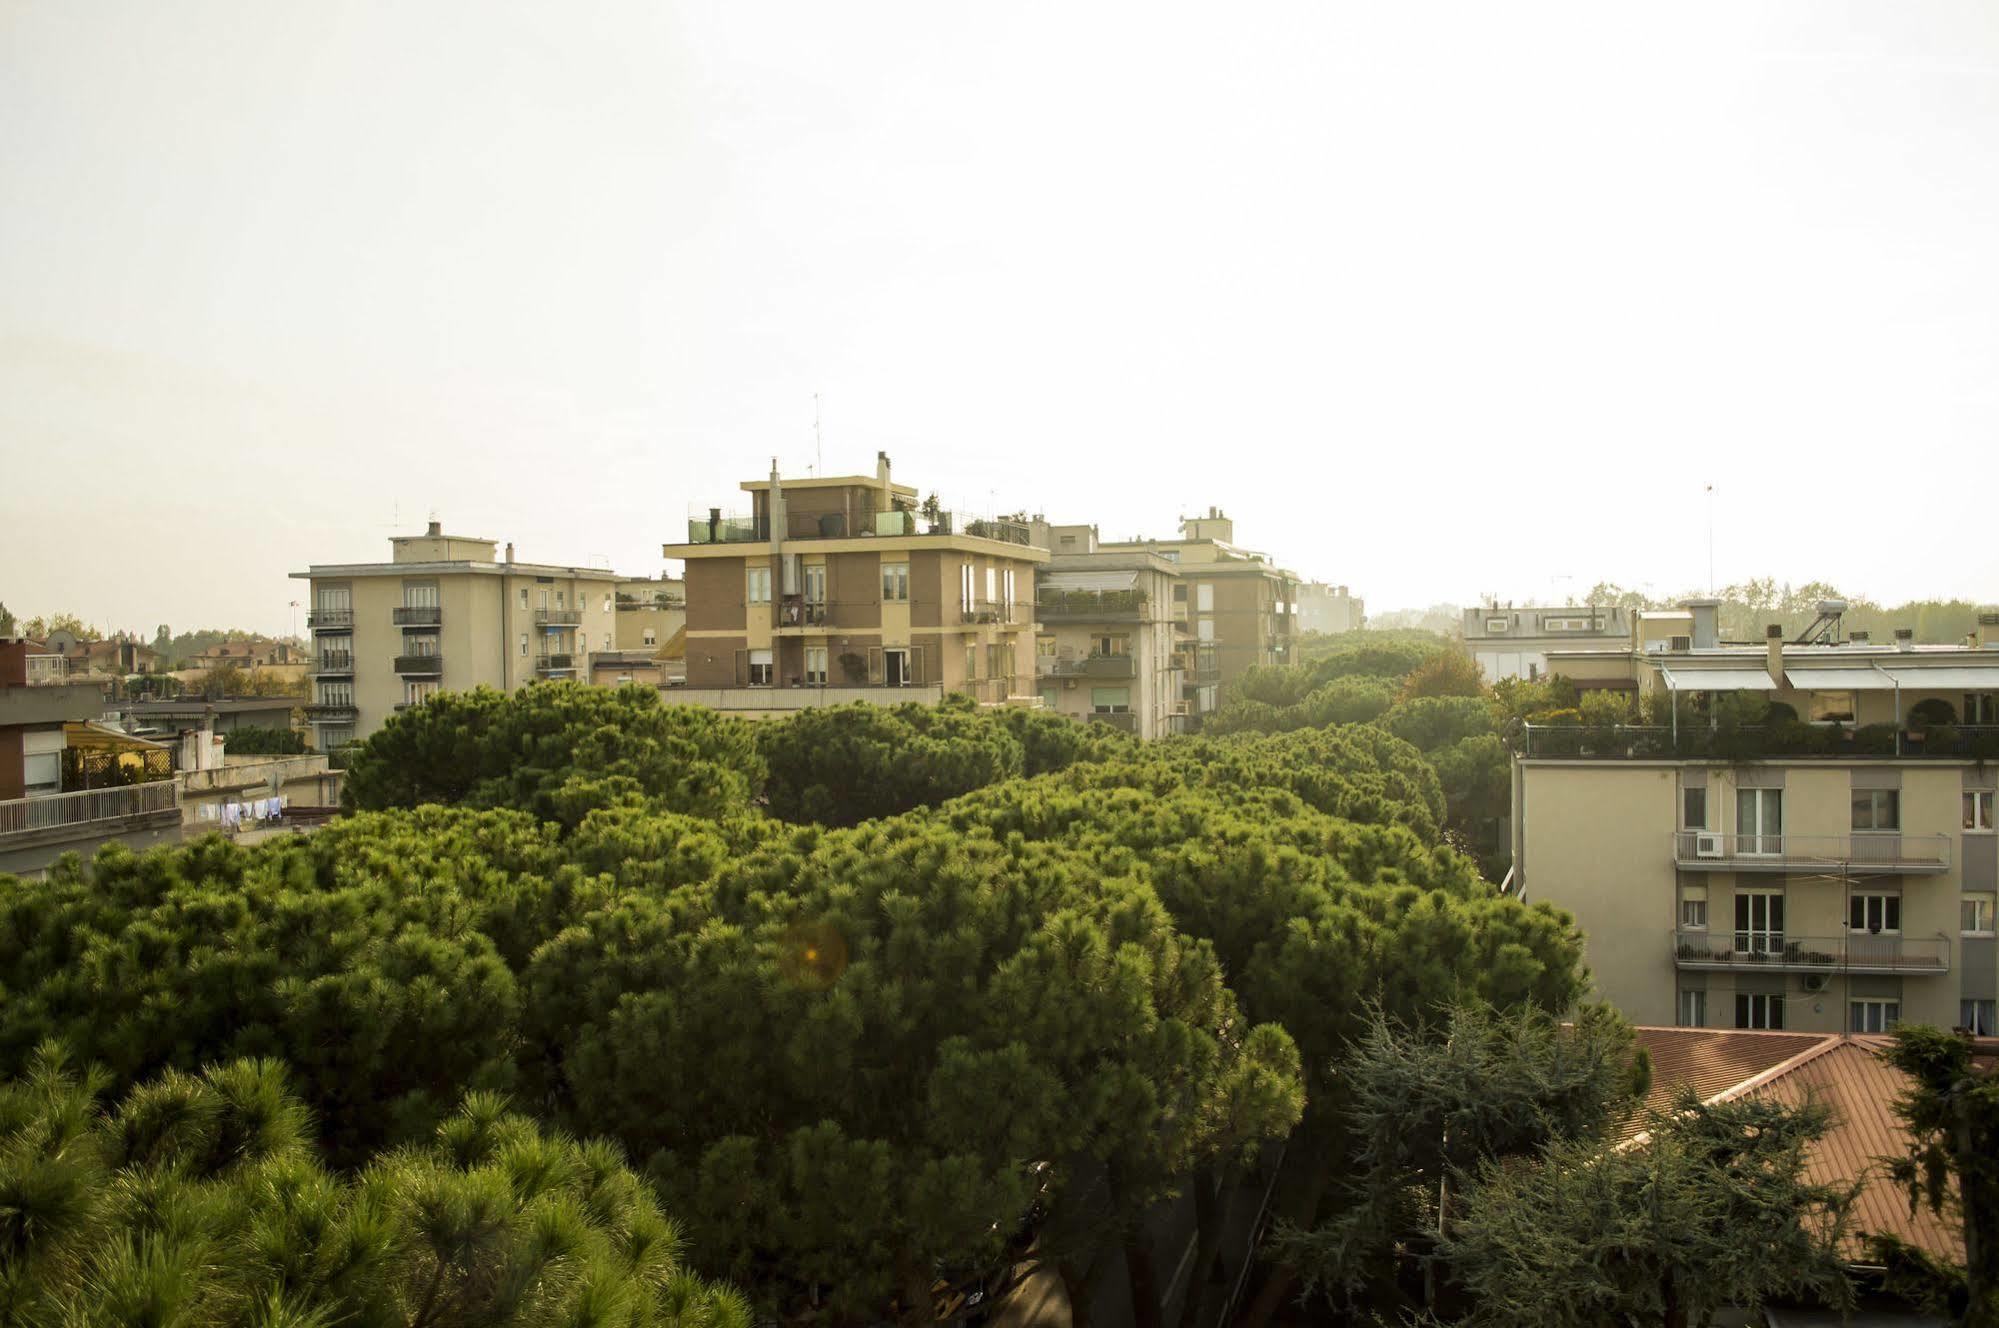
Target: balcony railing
[1636, 742]
[1781, 952]
[424, 666]
[1090, 666]
[414, 615]
[333, 712]
[22, 815]
[795, 612]
[1120, 719]
[1091, 605]
[727, 530]
[553, 663]
[1862, 854]
[987, 613]
[335, 661]
[328, 620]
[557, 617]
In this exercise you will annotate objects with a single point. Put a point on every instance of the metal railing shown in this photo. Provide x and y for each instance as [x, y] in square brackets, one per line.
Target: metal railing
[1796, 740]
[428, 666]
[333, 712]
[1089, 666]
[803, 613]
[554, 663]
[417, 615]
[987, 613]
[325, 620]
[336, 661]
[1878, 851]
[1776, 951]
[1117, 719]
[727, 530]
[22, 815]
[1094, 605]
[557, 617]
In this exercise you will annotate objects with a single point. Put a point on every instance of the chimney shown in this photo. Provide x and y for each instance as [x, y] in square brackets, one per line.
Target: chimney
[882, 474]
[510, 553]
[714, 523]
[1707, 629]
[434, 529]
[1773, 637]
[1905, 638]
[1988, 631]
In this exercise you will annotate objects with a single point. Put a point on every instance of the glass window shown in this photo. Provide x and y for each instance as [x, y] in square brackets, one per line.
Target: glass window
[895, 583]
[42, 773]
[1051, 699]
[992, 584]
[1874, 1016]
[1976, 1015]
[757, 584]
[815, 666]
[1974, 914]
[1693, 809]
[1978, 809]
[967, 596]
[1831, 707]
[416, 693]
[1874, 913]
[1877, 809]
[760, 665]
[1759, 821]
[1759, 922]
[1981, 707]
[1110, 647]
[1693, 1009]
[524, 598]
[1693, 913]
[651, 637]
[1110, 700]
[524, 637]
[420, 595]
[1044, 647]
[1759, 1010]
[815, 583]
[1204, 598]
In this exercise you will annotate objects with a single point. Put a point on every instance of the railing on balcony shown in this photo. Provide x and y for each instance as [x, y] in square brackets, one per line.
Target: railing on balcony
[427, 666]
[987, 613]
[1117, 719]
[1879, 851]
[796, 612]
[1091, 605]
[1638, 742]
[333, 712]
[557, 617]
[1782, 952]
[1090, 666]
[335, 661]
[418, 615]
[327, 620]
[22, 815]
[554, 663]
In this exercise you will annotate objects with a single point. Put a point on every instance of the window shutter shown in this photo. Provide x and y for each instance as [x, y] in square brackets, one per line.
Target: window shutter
[742, 668]
[916, 664]
[875, 674]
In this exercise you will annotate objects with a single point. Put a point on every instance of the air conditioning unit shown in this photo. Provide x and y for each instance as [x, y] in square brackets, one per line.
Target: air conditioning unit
[1707, 844]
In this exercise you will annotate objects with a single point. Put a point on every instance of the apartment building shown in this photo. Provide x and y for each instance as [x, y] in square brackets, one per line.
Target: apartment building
[1510, 642]
[840, 588]
[1827, 865]
[1240, 604]
[444, 613]
[1329, 609]
[1115, 642]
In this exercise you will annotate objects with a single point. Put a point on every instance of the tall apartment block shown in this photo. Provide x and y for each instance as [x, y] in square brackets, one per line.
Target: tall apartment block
[1115, 639]
[842, 588]
[1829, 863]
[1240, 603]
[446, 612]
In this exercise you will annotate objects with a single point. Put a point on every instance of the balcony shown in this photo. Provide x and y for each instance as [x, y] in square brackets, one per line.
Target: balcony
[727, 530]
[1090, 666]
[1854, 855]
[557, 617]
[333, 712]
[1059, 606]
[795, 612]
[334, 661]
[1794, 741]
[1121, 719]
[770, 700]
[56, 811]
[330, 620]
[420, 666]
[545, 665]
[416, 615]
[1779, 952]
[986, 615]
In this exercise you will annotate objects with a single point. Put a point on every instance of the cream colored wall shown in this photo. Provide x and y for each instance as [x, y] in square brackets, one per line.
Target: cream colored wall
[377, 641]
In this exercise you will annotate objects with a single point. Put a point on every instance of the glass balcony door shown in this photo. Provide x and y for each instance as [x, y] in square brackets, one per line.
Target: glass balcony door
[1759, 822]
[1759, 922]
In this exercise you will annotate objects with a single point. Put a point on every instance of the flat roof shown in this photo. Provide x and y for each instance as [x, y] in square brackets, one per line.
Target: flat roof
[196, 706]
[831, 482]
[462, 565]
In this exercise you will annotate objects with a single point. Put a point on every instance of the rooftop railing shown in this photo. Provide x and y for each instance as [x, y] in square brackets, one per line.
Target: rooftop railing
[1860, 854]
[1102, 605]
[22, 815]
[1837, 742]
[1777, 951]
[844, 525]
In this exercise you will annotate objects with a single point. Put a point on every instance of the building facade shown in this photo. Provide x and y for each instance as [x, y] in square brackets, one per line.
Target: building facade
[1829, 866]
[1511, 642]
[1239, 604]
[1329, 609]
[844, 588]
[1115, 641]
[444, 613]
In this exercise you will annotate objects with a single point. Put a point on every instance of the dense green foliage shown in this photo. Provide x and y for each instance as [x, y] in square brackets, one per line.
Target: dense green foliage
[1951, 1112]
[250, 740]
[1746, 609]
[201, 1200]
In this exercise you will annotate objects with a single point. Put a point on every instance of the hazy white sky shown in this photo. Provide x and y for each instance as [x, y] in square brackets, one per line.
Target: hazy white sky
[1433, 299]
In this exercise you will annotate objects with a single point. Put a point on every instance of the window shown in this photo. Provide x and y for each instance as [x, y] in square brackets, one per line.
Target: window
[1759, 820]
[1693, 913]
[420, 594]
[1974, 914]
[423, 646]
[1978, 809]
[1693, 809]
[558, 601]
[1204, 629]
[1981, 707]
[336, 693]
[1110, 700]
[1758, 1010]
[895, 583]
[1006, 586]
[815, 583]
[1877, 809]
[1044, 647]
[1831, 707]
[1495, 624]
[757, 584]
[967, 587]
[992, 585]
[1179, 592]
[1759, 922]
[606, 638]
[416, 693]
[1976, 1016]
[999, 661]
[1693, 1009]
[1110, 647]
[651, 637]
[971, 663]
[524, 638]
[41, 773]
[333, 600]
[1874, 913]
[760, 665]
[1051, 699]
[1204, 598]
[815, 666]
[1874, 1016]
[524, 599]
[607, 603]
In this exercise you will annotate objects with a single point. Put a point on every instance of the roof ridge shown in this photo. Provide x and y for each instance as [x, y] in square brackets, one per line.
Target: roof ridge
[1780, 1069]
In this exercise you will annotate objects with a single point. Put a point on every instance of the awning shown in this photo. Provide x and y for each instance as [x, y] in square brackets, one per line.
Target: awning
[1089, 580]
[1841, 680]
[1954, 678]
[1719, 680]
[91, 736]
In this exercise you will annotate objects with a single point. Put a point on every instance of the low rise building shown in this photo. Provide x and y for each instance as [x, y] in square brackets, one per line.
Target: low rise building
[1804, 839]
[444, 613]
[1329, 609]
[1510, 642]
[842, 588]
[652, 626]
[1114, 641]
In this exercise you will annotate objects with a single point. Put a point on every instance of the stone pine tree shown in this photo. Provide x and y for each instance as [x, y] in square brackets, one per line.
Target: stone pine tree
[1951, 1111]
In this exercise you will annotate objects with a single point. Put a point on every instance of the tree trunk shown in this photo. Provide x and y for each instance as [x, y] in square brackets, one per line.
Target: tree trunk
[1209, 1213]
[1669, 1295]
[1144, 1277]
[1271, 1296]
[1076, 1284]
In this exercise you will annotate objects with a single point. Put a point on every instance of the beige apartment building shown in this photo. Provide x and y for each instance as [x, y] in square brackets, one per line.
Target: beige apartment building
[1240, 605]
[1511, 641]
[1830, 867]
[444, 613]
[1115, 640]
[843, 588]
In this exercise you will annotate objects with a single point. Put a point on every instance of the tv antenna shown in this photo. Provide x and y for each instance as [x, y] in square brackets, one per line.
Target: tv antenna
[818, 441]
[1710, 539]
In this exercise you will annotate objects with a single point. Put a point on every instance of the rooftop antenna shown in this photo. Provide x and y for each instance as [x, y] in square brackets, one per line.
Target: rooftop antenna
[818, 440]
[1710, 539]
